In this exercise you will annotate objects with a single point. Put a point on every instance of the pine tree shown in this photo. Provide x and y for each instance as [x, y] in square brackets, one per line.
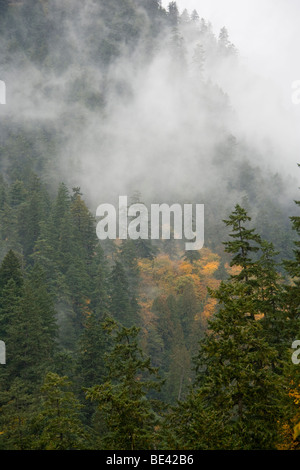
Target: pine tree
[275, 318]
[45, 303]
[91, 368]
[99, 283]
[192, 426]
[291, 298]
[177, 51]
[173, 14]
[245, 243]
[32, 332]
[127, 416]
[129, 258]
[177, 377]
[195, 16]
[224, 38]
[198, 61]
[235, 363]
[9, 229]
[16, 413]
[11, 291]
[31, 214]
[225, 46]
[191, 256]
[184, 17]
[292, 267]
[17, 193]
[11, 269]
[187, 307]
[123, 306]
[58, 421]
[84, 226]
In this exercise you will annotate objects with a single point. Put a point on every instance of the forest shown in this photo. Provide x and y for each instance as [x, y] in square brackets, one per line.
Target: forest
[139, 344]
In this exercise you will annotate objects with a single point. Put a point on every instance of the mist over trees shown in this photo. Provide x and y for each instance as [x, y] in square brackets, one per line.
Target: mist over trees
[139, 344]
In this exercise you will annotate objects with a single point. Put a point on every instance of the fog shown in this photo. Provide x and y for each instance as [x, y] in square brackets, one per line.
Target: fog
[265, 31]
[163, 120]
[267, 35]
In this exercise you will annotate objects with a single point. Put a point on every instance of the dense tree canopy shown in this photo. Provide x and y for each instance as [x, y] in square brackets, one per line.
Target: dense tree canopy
[137, 344]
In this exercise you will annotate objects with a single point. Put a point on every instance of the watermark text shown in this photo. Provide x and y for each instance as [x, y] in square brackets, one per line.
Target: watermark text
[2, 353]
[295, 358]
[136, 221]
[2, 92]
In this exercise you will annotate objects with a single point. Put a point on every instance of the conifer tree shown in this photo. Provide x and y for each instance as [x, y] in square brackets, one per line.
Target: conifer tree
[11, 291]
[127, 416]
[275, 318]
[293, 269]
[191, 256]
[84, 226]
[99, 283]
[16, 413]
[198, 61]
[58, 422]
[190, 425]
[234, 366]
[31, 214]
[195, 16]
[32, 333]
[91, 368]
[11, 269]
[291, 297]
[123, 306]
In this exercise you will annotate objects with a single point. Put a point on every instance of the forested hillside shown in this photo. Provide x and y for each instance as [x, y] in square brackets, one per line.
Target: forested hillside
[139, 344]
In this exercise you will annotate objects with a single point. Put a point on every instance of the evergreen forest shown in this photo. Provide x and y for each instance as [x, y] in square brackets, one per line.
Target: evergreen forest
[139, 344]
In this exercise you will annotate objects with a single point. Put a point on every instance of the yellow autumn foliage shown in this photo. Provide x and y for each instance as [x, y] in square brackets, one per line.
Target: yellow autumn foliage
[165, 276]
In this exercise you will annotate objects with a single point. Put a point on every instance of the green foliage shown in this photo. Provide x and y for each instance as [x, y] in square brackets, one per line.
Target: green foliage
[191, 426]
[59, 286]
[11, 270]
[235, 371]
[58, 423]
[126, 413]
[18, 408]
[30, 333]
[292, 267]
[122, 304]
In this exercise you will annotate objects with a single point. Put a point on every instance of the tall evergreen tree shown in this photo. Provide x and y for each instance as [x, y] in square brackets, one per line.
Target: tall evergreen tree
[58, 423]
[293, 269]
[11, 284]
[125, 411]
[31, 214]
[11, 269]
[235, 373]
[291, 298]
[173, 14]
[32, 332]
[91, 368]
[123, 306]
[16, 413]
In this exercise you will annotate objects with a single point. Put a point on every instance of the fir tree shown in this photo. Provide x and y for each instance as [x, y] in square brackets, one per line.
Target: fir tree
[235, 362]
[293, 269]
[291, 298]
[58, 421]
[127, 416]
[11, 269]
[123, 306]
[32, 334]
[17, 410]
[91, 368]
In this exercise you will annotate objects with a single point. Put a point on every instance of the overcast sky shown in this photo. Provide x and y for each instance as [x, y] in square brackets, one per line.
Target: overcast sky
[266, 32]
